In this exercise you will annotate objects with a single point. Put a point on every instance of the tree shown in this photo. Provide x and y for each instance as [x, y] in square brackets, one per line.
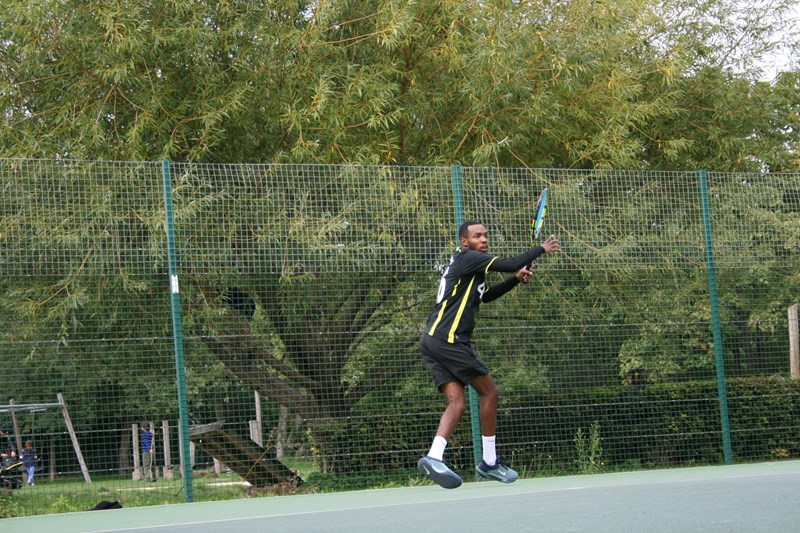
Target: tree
[579, 84]
[82, 295]
[633, 84]
[140, 80]
[303, 283]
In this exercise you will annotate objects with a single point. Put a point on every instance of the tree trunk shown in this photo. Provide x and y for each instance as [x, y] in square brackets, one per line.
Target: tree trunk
[281, 433]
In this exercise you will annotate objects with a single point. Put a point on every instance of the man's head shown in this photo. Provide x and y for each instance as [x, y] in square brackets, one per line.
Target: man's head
[146, 426]
[474, 236]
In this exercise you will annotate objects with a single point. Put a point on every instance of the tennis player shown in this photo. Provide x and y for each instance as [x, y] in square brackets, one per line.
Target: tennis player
[452, 358]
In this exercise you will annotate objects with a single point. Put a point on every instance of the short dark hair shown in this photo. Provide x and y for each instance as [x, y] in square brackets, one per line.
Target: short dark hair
[463, 230]
[146, 426]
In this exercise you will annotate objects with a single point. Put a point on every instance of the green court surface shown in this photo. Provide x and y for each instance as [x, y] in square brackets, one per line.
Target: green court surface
[738, 498]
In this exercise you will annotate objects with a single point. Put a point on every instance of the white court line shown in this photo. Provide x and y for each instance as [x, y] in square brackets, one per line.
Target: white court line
[480, 497]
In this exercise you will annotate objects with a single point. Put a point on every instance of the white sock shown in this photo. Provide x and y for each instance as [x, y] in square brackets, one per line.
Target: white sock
[489, 453]
[437, 448]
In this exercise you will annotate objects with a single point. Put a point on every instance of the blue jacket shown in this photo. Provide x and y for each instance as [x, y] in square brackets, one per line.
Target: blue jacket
[147, 441]
[28, 457]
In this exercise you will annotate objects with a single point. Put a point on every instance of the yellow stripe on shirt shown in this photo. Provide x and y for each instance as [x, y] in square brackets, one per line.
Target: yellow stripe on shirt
[490, 264]
[441, 311]
[451, 336]
[438, 318]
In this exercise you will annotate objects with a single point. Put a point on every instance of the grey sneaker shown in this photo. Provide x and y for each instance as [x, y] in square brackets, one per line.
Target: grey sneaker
[499, 472]
[438, 472]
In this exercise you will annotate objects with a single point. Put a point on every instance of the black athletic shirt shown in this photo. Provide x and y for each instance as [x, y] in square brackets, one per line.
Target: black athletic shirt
[463, 288]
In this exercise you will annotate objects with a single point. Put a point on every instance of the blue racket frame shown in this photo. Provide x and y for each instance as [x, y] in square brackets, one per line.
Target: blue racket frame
[541, 211]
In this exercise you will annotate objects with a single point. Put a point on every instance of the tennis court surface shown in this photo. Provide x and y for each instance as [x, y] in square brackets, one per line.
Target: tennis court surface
[737, 498]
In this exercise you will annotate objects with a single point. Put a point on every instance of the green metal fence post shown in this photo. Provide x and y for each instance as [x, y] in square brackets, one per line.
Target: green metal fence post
[177, 335]
[474, 409]
[715, 321]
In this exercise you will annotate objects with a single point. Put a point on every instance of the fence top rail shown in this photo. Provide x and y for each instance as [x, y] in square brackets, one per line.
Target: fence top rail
[358, 165]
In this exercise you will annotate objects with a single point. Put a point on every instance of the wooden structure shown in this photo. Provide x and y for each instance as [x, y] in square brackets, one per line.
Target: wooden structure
[13, 408]
[256, 465]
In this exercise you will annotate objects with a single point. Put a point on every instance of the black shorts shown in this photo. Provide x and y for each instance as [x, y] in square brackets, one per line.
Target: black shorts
[451, 362]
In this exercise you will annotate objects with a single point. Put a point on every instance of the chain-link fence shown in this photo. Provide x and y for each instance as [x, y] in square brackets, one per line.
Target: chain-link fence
[264, 319]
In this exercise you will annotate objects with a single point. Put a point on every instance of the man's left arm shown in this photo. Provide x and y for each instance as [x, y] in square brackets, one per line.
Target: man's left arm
[496, 291]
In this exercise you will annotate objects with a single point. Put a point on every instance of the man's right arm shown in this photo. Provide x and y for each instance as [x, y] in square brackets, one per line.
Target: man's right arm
[527, 258]
[512, 264]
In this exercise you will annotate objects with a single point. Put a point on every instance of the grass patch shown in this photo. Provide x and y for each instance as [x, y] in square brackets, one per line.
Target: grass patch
[66, 495]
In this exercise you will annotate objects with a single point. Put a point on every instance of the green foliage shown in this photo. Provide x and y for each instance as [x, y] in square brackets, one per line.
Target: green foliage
[8, 507]
[589, 450]
[68, 495]
[63, 504]
[98, 257]
[670, 424]
[650, 426]
[581, 84]
[329, 266]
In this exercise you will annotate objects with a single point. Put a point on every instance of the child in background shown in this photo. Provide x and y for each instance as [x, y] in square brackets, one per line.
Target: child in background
[29, 458]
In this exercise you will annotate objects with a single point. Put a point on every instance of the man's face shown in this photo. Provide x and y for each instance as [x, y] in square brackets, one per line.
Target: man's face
[476, 239]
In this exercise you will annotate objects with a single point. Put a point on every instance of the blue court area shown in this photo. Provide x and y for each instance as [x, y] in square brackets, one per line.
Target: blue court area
[738, 498]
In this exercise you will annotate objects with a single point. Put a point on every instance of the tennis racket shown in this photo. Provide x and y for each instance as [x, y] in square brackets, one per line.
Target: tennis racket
[541, 212]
